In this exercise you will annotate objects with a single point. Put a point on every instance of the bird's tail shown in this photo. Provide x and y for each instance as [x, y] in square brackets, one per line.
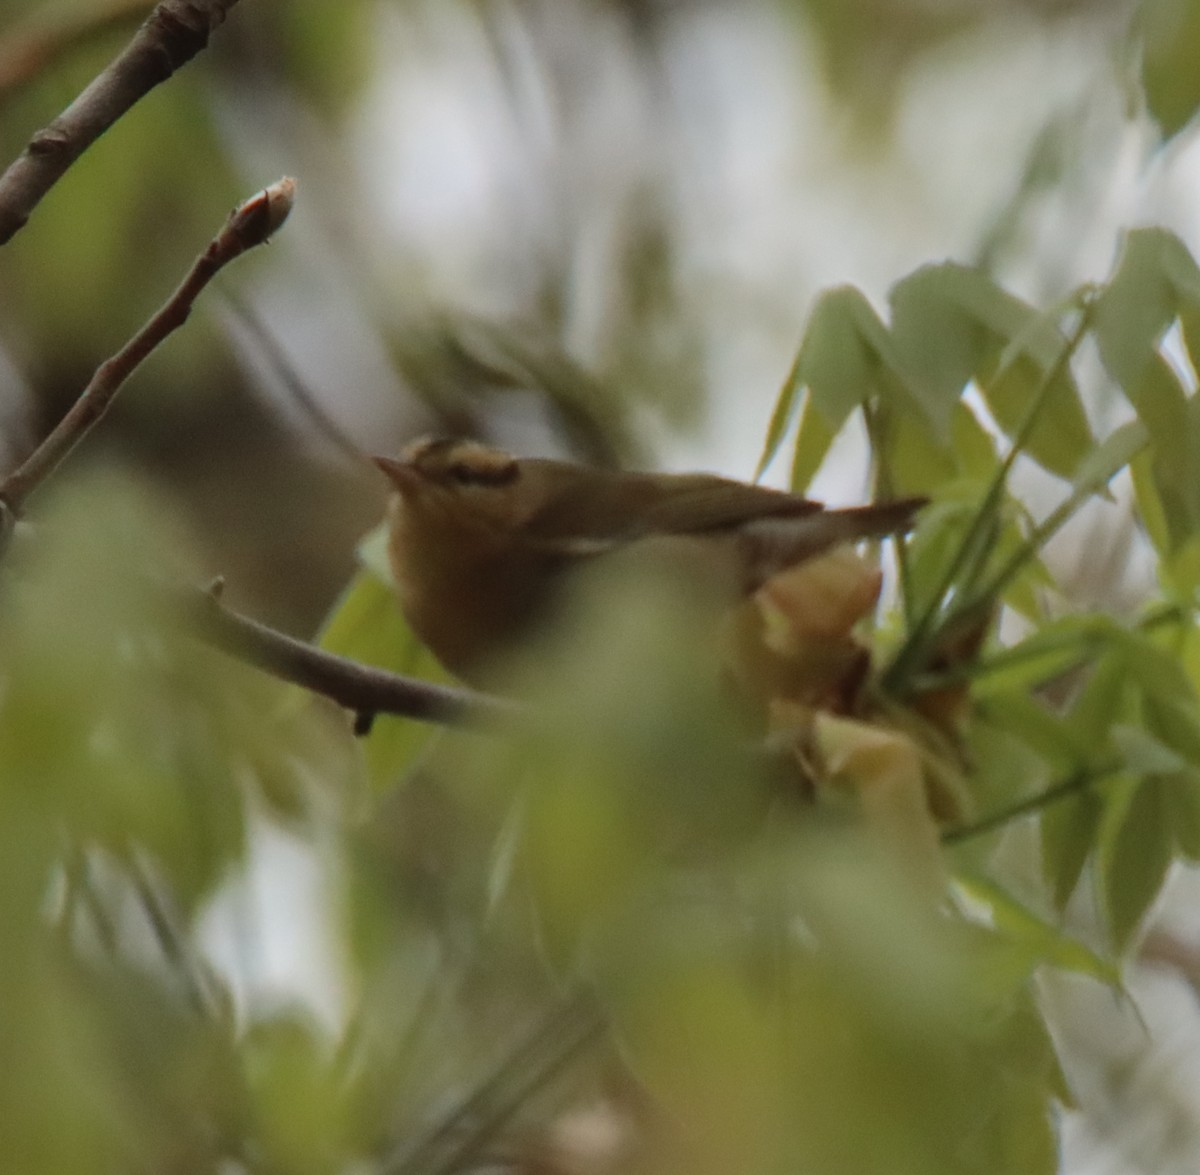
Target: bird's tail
[875, 520]
[776, 544]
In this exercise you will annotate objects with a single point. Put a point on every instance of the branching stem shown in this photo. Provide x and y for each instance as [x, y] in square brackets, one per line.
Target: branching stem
[363, 689]
[249, 224]
[1079, 780]
[922, 634]
[169, 38]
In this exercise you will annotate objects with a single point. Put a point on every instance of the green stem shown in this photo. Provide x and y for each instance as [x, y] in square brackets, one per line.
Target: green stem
[1036, 541]
[1077, 781]
[883, 489]
[1087, 643]
[917, 644]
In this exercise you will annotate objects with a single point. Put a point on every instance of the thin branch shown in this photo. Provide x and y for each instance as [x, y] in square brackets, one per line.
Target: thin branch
[177, 951]
[36, 44]
[562, 1034]
[1077, 781]
[248, 319]
[170, 37]
[251, 223]
[363, 689]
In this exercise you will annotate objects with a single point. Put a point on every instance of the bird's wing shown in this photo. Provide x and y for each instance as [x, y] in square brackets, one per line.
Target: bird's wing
[773, 545]
[604, 508]
[699, 502]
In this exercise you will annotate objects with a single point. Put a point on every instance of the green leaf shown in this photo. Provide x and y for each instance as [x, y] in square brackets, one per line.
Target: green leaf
[1181, 268]
[1061, 437]
[1174, 723]
[974, 446]
[1069, 830]
[1042, 941]
[1152, 514]
[813, 439]
[939, 334]
[1038, 727]
[1171, 47]
[915, 459]
[297, 1116]
[843, 355]
[1005, 769]
[1055, 648]
[953, 324]
[1173, 718]
[1180, 573]
[781, 418]
[1072, 827]
[1144, 754]
[1100, 704]
[1137, 306]
[1105, 461]
[1189, 322]
[366, 625]
[1156, 280]
[1183, 795]
[1024, 592]
[116, 729]
[1155, 671]
[1163, 407]
[1134, 851]
[1098, 468]
[931, 550]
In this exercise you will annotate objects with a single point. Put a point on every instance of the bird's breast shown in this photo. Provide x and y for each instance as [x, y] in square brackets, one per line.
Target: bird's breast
[468, 605]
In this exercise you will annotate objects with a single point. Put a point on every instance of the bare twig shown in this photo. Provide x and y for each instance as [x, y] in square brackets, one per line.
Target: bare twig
[170, 37]
[248, 318]
[250, 224]
[35, 44]
[363, 689]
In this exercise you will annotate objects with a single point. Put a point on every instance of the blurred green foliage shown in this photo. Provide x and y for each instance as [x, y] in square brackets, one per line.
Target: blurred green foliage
[619, 911]
[774, 975]
[1170, 38]
[128, 758]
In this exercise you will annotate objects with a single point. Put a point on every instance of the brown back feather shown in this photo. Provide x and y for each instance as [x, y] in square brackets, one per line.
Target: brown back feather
[621, 507]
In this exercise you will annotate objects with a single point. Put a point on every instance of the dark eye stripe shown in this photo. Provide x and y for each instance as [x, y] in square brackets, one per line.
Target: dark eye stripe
[486, 475]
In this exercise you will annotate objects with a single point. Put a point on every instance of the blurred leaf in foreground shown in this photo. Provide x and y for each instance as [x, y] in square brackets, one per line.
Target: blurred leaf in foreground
[127, 755]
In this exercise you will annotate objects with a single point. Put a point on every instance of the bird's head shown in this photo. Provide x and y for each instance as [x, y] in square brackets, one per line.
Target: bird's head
[454, 483]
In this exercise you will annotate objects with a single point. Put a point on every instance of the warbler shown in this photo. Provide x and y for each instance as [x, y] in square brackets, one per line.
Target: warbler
[483, 544]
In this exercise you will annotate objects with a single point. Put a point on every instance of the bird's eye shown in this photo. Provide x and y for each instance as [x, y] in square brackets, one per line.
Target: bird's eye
[463, 474]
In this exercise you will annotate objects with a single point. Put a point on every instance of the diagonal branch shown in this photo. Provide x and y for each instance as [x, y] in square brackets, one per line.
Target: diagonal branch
[34, 45]
[244, 316]
[170, 37]
[250, 223]
[362, 688]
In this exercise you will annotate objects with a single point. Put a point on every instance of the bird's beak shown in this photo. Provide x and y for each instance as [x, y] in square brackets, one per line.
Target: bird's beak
[400, 473]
